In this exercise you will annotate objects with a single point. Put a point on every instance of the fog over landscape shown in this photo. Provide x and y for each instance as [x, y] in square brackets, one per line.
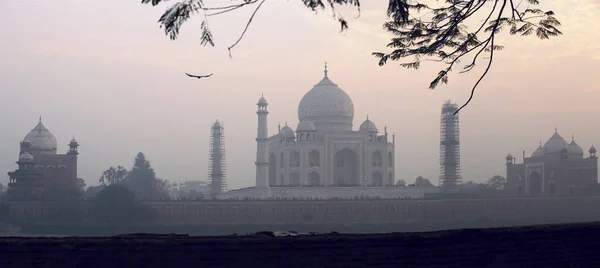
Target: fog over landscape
[104, 72]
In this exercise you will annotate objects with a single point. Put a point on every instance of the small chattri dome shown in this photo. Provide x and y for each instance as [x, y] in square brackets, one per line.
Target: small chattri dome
[262, 101]
[509, 156]
[574, 149]
[368, 126]
[306, 126]
[287, 132]
[539, 151]
[592, 150]
[73, 142]
[26, 157]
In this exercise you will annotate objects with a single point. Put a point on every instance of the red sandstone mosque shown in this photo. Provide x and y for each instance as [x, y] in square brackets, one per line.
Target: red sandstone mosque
[557, 167]
[41, 170]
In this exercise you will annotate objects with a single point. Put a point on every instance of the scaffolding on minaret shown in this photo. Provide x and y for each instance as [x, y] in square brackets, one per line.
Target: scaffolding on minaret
[216, 160]
[449, 147]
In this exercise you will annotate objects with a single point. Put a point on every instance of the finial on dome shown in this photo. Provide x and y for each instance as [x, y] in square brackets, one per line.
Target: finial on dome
[40, 120]
[555, 130]
[367, 116]
[572, 138]
[286, 123]
[325, 69]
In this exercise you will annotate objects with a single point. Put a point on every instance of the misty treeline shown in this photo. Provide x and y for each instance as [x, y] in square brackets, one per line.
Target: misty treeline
[492, 186]
[117, 198]
[141, 180]
[445, 31]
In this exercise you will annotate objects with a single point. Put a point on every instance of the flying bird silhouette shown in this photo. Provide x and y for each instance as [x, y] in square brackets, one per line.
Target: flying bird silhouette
[198, 76]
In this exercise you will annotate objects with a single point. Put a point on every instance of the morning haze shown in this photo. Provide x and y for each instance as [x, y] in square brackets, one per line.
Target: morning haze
[104, 72]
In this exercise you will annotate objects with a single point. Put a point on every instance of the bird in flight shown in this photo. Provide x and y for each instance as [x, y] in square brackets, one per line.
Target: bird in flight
[198, 76]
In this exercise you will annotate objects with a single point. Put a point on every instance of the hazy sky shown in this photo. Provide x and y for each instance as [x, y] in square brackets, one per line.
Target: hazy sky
[105, 72]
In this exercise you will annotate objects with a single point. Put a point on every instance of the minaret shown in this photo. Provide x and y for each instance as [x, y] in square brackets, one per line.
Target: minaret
[72, 153]
[262, 145]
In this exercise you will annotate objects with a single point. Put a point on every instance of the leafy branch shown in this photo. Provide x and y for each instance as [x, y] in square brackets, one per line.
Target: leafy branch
[441, 34]
[180, 12]
[437, 33]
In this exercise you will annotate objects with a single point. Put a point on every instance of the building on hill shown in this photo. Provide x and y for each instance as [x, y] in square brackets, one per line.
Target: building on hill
[324, 157]
[42, 173]
[557, 167]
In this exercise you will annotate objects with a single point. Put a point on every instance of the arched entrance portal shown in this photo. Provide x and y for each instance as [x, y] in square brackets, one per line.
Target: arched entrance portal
[314, 179]
[272, 170]
[294, 179]
[535, 183]
[377, 179]
[345, 168]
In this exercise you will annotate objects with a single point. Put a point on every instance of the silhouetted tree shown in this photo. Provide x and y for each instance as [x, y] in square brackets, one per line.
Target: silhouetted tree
[400, 183]
[116, 203]
[92, 191]
[142, 179]
[420, 181]
[496, 182]
[113, 175]
[435, 32]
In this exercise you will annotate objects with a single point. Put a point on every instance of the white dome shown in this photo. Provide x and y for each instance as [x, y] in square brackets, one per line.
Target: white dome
[26, 157]
[555, 144]
[574, 149]
[327, 106]
[305, 126]
[41, 139]
[368, 126]
[287, 132]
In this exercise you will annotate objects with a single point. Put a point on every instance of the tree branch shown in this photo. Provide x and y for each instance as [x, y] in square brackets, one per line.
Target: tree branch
[245, 29]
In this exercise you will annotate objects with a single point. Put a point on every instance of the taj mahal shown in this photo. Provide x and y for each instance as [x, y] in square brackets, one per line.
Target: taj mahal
[324, 157]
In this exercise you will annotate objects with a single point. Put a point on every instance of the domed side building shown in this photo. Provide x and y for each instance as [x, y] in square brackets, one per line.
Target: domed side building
[40, 169]
[557, 167]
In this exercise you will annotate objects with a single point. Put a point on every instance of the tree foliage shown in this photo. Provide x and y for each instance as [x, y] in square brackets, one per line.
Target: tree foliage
[113, 175]
[115, 203]
[142, 179]
[422, 182]
[436, 31]
[496, 182]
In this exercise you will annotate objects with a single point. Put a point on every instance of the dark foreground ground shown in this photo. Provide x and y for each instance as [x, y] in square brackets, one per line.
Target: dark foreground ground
[574, 245]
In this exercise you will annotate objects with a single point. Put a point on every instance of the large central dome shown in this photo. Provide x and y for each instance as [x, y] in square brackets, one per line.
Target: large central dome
[41, 139]
[327, 106]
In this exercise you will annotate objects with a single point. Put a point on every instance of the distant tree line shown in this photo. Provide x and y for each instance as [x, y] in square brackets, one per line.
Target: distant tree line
[493, 186]
[116, 198]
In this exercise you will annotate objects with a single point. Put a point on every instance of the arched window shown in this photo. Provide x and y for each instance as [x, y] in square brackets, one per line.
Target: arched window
[295, 159]
[377, 159]
[294, 179]
[314, 159]
[281, 163]
[314, 179]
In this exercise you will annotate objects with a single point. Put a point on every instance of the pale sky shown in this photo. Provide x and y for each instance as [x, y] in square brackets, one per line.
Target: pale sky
[104, 72]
